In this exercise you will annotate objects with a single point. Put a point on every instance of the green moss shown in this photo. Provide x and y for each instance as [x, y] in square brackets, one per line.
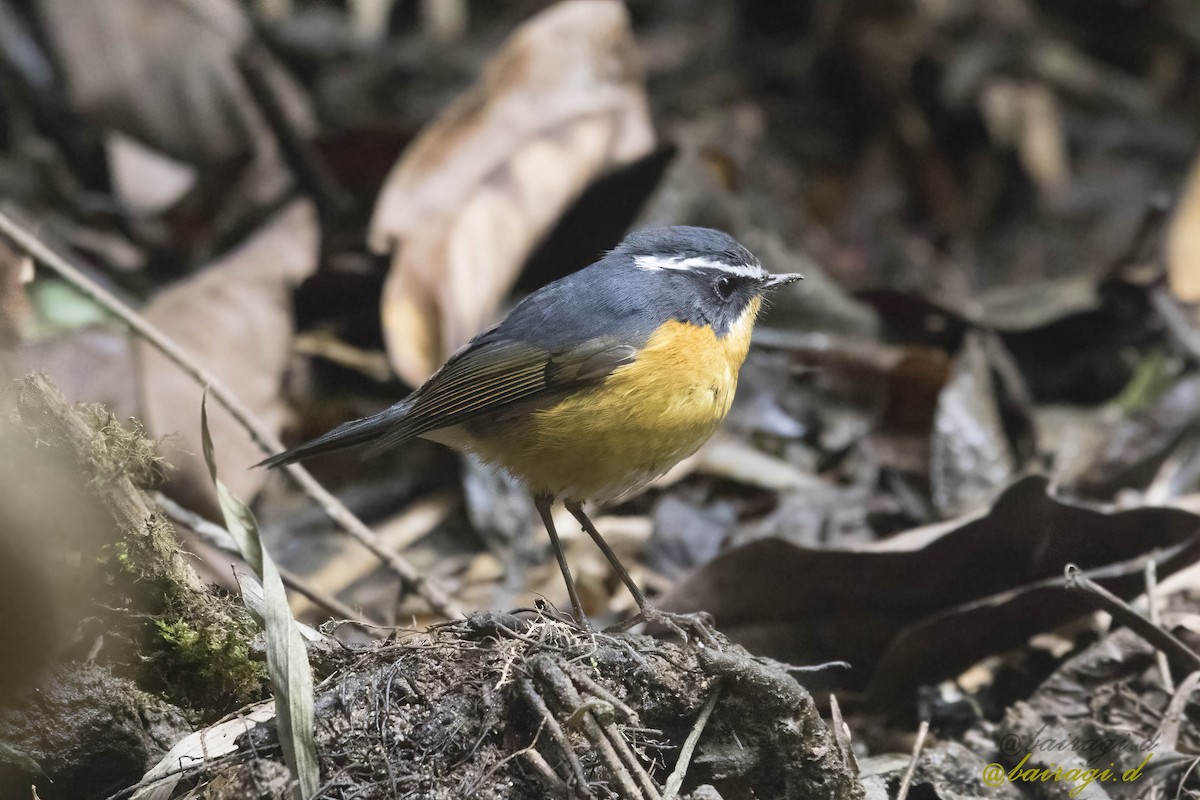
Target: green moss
[195, 647]
[208, 665]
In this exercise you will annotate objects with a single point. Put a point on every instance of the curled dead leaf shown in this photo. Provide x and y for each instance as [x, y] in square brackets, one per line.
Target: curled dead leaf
[475, 193]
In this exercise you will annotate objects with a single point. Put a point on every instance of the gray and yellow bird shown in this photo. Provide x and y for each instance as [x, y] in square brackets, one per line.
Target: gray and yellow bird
[595, 384]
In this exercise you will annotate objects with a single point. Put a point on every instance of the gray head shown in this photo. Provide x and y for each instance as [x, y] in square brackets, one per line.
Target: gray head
[694, 275]
[714, 275]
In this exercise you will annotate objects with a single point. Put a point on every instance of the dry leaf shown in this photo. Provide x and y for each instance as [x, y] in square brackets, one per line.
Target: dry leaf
[475, 193]
[146, 181]
[166, 74]
[1183, 240]
[930, 602]
[235, 318]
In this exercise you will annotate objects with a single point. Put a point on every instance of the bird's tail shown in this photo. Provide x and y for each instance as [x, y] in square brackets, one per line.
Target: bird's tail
[351, 434]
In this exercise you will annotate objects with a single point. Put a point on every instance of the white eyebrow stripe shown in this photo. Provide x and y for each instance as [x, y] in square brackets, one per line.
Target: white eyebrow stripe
[685, 264]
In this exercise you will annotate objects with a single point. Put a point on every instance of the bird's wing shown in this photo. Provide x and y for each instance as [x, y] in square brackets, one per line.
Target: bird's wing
[493, 375]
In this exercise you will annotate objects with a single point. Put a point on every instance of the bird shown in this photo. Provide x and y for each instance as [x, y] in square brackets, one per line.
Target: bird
[593, 385]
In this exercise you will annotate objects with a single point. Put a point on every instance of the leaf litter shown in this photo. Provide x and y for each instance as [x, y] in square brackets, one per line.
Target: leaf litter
[983, 197]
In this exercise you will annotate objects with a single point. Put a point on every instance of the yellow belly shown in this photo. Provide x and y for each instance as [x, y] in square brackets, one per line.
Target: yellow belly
[648, 415]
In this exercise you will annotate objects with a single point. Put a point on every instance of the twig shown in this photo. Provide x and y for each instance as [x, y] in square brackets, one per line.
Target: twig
[1186, 774]
[220, 538]
[1168, 729]
[555, 679]
[259, 432]
[554, 784]
[1127, 615]
[1164, 667]
[556, 732]
[675, 780]
[922, 732]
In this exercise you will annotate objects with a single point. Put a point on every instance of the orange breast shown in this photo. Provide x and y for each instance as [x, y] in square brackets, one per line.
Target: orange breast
[647, 416]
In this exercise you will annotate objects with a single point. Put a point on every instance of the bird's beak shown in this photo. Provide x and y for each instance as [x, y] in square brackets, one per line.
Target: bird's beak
[781, 280]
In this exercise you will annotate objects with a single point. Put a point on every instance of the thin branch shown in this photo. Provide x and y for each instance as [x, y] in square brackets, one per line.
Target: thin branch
[1164, 667]
[918, 746]
[1129, 616]
[675, 780]
[221, 539]
[260, 433]
[305, 162]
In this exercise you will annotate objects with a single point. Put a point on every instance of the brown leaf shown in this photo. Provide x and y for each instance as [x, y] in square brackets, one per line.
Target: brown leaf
[476, 192]
[167, 75]
[927, 604]
[235, 318]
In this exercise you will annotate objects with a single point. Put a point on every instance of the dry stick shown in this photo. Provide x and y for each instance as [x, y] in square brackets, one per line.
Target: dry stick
[261, 435]
[675, 779]
[922, 732]
[1127, 615]
[1164, 667]
[1168, 731]
[568, 697]
[556, 732]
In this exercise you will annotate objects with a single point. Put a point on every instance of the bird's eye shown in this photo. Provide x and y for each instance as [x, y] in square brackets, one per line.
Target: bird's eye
[725, 287]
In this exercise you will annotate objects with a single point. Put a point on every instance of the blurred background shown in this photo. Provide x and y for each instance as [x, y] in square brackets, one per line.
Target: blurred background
[992, 202]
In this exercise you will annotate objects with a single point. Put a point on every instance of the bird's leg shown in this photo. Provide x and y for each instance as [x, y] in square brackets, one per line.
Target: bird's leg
[542, 503]
[700, 623]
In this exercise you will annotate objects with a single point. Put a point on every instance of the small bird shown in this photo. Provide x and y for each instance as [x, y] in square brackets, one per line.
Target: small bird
[595, 384]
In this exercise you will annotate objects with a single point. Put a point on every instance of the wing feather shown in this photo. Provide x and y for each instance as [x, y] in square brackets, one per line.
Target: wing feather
[492, 376]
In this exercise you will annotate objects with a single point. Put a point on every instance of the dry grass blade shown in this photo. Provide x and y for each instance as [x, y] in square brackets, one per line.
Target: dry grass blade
[287, 658]
[675, 781]
[476, 192]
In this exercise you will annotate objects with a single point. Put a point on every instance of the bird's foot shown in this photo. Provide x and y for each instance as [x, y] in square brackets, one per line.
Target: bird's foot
[700, 624]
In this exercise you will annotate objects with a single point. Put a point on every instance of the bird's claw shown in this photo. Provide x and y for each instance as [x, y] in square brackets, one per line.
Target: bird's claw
[700, 623]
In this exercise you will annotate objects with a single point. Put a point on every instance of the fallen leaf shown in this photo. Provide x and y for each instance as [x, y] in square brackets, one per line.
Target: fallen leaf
[146, 182]
[479, 188]
[971, 455]
[235, 318]
[166, 74]
[927, 604]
